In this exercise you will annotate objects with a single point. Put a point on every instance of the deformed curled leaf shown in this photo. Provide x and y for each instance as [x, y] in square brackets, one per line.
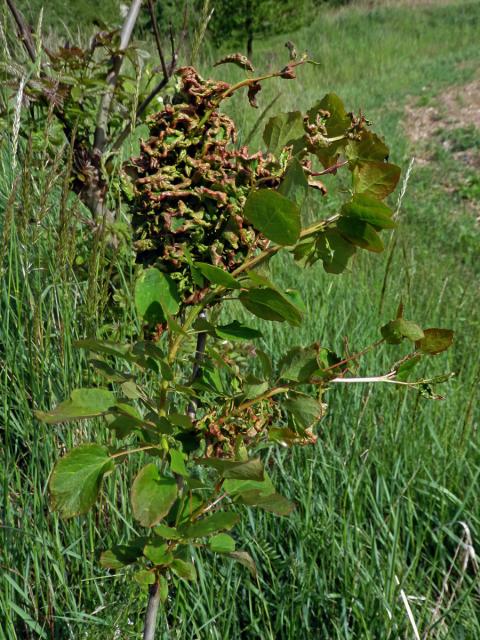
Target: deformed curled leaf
[253, 89]
[238, 59]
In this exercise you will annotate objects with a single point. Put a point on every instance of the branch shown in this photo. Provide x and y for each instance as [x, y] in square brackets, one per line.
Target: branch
[100, 138]
[24, 31]
[157, 37]
[388, 377]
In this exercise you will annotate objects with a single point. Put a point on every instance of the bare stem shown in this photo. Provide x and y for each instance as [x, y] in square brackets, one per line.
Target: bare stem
[24, 30]
[100, 138]
[388, 377]
[152, 611]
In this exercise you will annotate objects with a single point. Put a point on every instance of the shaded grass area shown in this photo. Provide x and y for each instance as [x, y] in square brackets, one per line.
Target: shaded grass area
[380, 498]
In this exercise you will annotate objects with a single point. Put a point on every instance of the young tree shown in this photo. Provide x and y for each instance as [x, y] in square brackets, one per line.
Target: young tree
[191, 404]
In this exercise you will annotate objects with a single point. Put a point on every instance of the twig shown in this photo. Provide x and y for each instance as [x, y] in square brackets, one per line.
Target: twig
[100, 137]
[331, 169]
[408, 609]
[144, 104]
[24, 30]
[156, 32]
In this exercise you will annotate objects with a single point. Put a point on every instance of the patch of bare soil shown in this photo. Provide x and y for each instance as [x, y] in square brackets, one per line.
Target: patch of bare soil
[456, 108]
[454, 122]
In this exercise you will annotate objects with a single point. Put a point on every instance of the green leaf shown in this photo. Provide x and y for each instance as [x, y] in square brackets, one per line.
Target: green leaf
[152, 495]
[105, 347]
[177, 462]
[164, 531]
[304, 410]
[395, 330]
[405, 368]
[243, 557]
[299, 364]
[76, 479]
[284, 130]
[270, 304]
[144, 577]
[337, 122]
[277, 217]
[108, 372]
[158, 553]
[249, 470]
[120, 556]
[360, 233]
[219, 521]
[294, 185]
[273, 502]
[217, 275]
[156, 296]
[285, 436]
[237, 331]
[237, 487]
[368, 209]
[254, 387]
[163, 588]
[83, 403]
[376, 179]
[368, 147]
[222, 543]
[334, 251]
[184, 570]
[435, 341]
[186, 507]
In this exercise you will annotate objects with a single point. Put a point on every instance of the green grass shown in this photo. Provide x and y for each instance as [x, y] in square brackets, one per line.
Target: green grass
[382, 495]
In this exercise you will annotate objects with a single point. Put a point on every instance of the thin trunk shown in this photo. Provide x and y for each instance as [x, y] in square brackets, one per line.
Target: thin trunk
[154, 592]
[249, 27]
[152, 611]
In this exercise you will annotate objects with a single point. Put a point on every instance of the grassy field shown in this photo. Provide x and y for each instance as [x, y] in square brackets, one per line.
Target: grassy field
[387, 502]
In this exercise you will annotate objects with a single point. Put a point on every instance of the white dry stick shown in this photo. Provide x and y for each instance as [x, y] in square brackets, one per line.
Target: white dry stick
[404, 188]
[469, 556]
[16, 121]
[408, 609]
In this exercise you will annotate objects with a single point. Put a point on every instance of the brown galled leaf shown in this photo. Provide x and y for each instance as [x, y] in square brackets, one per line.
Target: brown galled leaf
[253, 89]
[236, 58]
[291, 48]
[288, 72]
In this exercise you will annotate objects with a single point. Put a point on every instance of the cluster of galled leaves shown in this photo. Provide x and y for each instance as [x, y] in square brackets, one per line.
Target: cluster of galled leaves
[198, 199]
[203, 431]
